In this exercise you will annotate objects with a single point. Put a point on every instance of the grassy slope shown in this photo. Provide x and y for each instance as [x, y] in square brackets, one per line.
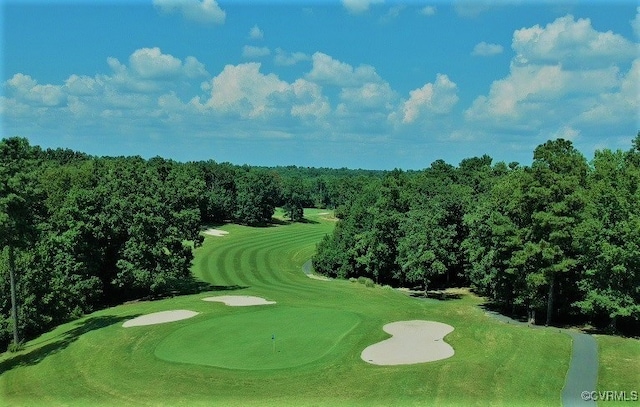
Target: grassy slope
[619, 366]
[95, 361]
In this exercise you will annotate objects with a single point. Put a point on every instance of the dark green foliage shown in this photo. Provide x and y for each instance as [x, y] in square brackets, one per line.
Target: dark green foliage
[559, 238]
[293, 199]
[555, 198]
[258, 192]
[218, 200]
[609, 240]
[88, 232]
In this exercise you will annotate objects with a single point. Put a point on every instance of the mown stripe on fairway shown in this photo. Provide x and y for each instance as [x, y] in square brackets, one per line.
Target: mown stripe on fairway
[259, 257]
[249, 257]
[494, 364]
[220, 271]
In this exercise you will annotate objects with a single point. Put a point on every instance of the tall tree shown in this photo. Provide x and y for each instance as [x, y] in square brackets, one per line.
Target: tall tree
[610, 239]
[293, 198]
[18, 207]
[423, 250]
[556, 200]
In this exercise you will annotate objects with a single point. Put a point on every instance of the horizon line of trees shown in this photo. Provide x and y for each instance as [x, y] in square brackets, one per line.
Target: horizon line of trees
[559, 238]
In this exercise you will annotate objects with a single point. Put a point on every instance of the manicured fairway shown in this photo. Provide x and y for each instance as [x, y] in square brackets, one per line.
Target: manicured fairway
[224, 355]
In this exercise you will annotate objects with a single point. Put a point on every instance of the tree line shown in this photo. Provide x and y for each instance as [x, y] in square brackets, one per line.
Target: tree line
[560, 237]
[557, 241]
[79, 233]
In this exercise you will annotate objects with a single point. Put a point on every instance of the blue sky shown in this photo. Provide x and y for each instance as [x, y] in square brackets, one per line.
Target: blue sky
[358, 83]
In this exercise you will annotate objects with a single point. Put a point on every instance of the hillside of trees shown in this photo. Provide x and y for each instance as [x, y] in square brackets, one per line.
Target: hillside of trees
[560, 238]
[558, 242]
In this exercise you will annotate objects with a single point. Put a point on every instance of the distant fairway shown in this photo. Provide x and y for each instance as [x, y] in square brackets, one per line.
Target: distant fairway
[224, 355]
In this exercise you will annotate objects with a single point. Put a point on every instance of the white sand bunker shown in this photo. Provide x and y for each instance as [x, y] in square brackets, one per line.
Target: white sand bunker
[159, 318]
[215, 232]
[412, 342]
[239, 300]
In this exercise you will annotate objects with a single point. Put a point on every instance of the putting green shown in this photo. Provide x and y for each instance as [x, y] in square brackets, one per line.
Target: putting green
[245, 340]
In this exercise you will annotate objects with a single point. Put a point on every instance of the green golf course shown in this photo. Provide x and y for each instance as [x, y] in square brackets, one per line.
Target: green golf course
[302, 350]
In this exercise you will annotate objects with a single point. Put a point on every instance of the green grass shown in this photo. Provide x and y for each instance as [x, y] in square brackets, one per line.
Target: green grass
[619, 366]
[224, 355]
[246, 340]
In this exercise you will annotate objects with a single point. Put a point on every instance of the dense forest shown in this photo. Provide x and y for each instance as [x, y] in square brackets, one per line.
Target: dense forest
[557, 241]
[80, 233]
[561, 237]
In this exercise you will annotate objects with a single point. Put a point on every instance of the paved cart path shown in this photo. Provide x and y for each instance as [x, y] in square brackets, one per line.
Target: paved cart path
[583, 368]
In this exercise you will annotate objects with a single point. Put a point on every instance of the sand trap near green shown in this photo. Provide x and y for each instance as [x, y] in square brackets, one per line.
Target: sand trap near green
[271, 338]
[412, 342]
[215, 232]
[161, 317]
[239, 300]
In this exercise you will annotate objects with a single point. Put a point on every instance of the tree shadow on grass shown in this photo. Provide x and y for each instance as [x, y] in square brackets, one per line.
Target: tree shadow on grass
[283, 222]
[40, 353]
[191, 286]
[436, 295]
[309, 221]
[501, 314]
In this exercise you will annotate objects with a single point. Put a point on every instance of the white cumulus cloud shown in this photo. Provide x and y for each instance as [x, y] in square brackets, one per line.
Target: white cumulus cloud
[152, 63]
[284, 58]
[149, 67]
[565, 75]
[571, 42]
[242, 89]
[484, 49]
[619, 103]
[438, 97]
[328, 70]
[81, 85]
[129, 91]
[202, 11]
[309, 102]
[26, 89]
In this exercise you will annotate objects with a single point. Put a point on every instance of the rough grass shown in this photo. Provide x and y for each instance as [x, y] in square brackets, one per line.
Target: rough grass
[94, 361]
[619, 366]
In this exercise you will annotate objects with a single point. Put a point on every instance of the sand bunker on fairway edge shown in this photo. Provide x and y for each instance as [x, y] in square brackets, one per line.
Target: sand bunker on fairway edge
[215, 232]
[239, 300]
[412, 342]
[159, 318]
